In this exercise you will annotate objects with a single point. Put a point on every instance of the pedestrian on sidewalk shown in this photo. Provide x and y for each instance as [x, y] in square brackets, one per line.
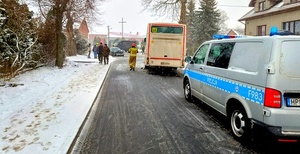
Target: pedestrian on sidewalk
[95, 50]
[89, 50]
[143, 49]
[100, 53]
[132, 58]
[106, 52]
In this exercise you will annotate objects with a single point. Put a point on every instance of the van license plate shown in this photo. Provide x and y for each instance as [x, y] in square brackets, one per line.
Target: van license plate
[293, 101]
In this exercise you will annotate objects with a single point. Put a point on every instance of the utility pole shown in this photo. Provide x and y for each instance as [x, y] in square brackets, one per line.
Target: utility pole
[108, 42]
[122, 22]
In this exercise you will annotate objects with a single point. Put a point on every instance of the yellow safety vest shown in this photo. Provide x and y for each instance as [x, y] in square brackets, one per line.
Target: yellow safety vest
[133, 51]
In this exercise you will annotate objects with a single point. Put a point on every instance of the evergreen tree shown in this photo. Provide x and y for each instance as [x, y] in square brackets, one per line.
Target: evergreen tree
[17, 38]
[3, 15]
[81, 43]
[206, 21]
[4, 52]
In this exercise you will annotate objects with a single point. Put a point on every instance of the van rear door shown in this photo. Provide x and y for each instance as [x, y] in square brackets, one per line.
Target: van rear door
[286, 79]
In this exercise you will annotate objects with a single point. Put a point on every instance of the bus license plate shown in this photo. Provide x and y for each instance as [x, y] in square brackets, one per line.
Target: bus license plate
[293, 101]
[165, 63]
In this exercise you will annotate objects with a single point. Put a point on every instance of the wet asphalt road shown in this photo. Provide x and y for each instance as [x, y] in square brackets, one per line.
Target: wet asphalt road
[142, 113]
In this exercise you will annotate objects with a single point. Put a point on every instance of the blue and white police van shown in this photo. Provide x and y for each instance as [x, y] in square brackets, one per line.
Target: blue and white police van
[250, 80]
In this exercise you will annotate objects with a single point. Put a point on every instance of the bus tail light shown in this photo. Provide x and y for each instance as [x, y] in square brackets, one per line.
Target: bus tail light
[272, 98]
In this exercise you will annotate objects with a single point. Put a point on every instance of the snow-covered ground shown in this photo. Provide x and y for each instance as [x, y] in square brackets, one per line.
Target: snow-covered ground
[43, 113]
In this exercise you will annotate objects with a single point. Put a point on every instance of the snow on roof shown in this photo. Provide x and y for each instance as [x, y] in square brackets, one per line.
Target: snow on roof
[278, 7]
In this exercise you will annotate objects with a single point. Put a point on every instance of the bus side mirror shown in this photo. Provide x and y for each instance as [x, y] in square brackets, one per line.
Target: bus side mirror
[144, 39]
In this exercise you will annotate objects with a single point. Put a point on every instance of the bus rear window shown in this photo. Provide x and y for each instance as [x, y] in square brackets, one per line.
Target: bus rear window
[166, 29]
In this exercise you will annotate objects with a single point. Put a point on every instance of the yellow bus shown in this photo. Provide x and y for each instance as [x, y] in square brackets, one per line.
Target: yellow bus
[165, 46]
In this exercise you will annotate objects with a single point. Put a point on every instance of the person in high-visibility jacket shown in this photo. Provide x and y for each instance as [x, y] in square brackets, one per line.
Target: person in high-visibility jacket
[132, 58]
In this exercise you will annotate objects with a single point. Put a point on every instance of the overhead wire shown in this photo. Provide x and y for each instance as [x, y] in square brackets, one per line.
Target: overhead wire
[231, 5]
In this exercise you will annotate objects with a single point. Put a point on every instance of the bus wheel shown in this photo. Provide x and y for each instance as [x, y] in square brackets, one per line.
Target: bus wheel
[240, 124]
[187, 91]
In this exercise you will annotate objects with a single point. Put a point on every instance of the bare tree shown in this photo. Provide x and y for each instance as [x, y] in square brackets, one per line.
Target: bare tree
[65, 13]
[71, 44]
[240, 30]
[223, 22]
[172, 8]
[77, 10]
[59, 8]
[182, 19]
[190, 41]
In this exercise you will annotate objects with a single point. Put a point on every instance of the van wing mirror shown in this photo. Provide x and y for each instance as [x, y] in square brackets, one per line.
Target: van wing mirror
[188, 59]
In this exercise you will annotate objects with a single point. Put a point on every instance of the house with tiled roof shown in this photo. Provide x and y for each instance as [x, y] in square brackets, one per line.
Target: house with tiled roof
[284, 14]
[233, 32]
[83, 29]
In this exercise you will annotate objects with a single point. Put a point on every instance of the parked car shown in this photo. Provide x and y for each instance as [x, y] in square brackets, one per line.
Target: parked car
[116, 51]
[126, 44]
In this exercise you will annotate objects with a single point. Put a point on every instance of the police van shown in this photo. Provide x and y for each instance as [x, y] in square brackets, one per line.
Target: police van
[252, 81]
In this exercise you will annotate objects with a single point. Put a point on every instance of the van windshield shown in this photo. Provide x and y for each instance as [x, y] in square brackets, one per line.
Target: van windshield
[289, 59]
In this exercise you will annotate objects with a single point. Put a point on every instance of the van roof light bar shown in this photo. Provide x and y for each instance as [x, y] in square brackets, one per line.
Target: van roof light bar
[274, 31]
[222, 36]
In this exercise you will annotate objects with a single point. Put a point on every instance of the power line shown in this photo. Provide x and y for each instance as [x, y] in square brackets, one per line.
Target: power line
[232, 5]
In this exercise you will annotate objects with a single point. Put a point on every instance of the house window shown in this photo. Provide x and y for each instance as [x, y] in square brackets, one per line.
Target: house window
[261, 6]
[285, 26]
[261, 30]
[297, 27]
[292, 26]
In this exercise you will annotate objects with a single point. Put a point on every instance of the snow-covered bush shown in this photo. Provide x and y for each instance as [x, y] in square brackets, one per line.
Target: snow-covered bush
[81, 43]
[18, 37]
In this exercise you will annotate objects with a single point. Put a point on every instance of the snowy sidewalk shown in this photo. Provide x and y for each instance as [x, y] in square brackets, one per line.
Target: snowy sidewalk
[44, 115]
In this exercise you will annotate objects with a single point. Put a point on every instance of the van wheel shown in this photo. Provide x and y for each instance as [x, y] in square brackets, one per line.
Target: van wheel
[187, 91]
[240, 124]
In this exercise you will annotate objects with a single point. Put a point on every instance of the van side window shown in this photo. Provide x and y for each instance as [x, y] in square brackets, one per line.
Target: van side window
[219, 54]
[247, 56]
[200, 54]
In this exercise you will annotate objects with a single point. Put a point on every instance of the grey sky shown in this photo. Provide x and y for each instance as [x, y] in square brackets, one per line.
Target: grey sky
[129, 10]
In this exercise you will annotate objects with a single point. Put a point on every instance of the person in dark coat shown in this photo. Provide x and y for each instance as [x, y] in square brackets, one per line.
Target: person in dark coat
[100, 53]
[106, 52]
